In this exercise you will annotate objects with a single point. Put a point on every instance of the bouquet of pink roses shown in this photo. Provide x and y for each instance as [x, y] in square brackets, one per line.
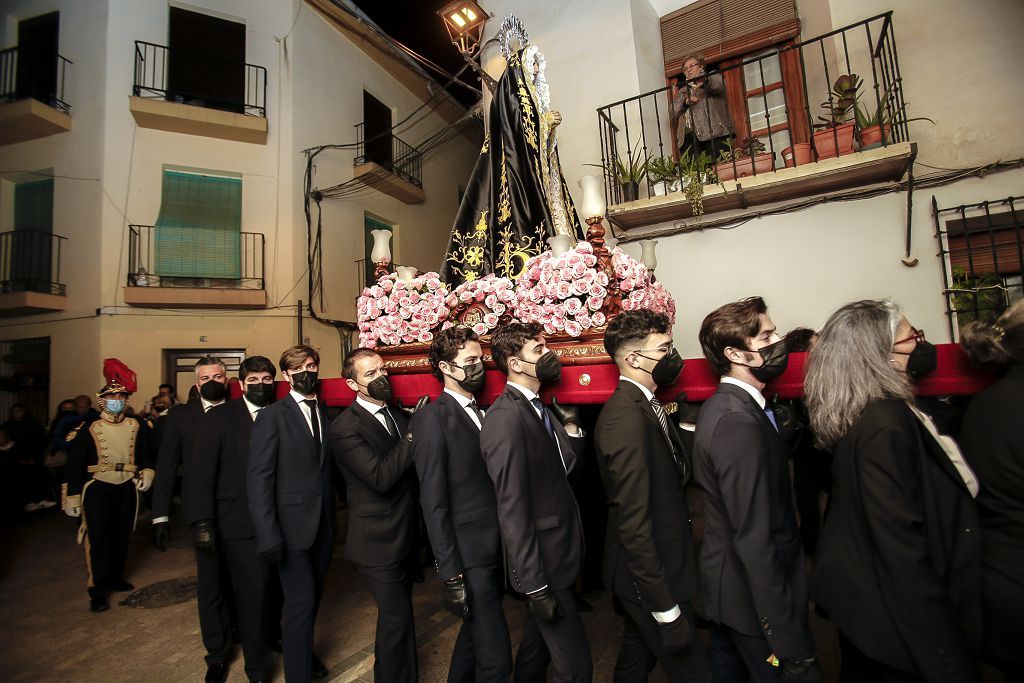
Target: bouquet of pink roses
[638, 291]
[394, 311]
[563, 293]
[491, 295]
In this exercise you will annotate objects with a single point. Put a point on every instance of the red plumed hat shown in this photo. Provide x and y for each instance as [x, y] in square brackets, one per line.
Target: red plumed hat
[120, 378]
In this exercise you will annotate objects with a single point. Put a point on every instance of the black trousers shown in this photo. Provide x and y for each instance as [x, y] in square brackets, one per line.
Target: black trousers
[302, 581]
[252, 579]
[563, 641]
[857, 667]
[394, 648]
[109, 511]
[213, 599]
[482, 650]
[736, 657]
[641, 649]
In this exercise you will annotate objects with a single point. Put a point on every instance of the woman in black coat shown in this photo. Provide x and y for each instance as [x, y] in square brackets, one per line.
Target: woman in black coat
[897, 567]
[992, 437]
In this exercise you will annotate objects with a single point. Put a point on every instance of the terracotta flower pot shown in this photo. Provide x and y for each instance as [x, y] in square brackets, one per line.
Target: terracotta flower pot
[871, 137]
[762, 163]
[799, 154]
[825, 141]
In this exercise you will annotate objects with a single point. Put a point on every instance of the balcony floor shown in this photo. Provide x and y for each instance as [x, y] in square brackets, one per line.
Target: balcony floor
[30, 119]
[391, 184]
[28, 303]
[192, 120]
[194, 297]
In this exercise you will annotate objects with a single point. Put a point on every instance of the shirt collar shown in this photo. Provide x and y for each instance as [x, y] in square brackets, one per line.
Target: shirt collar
[371, 408]
[297, 397]
[253, 408]
[527, 393]
[750, 389]
[208, 404]
[463, 400]
[647, 392]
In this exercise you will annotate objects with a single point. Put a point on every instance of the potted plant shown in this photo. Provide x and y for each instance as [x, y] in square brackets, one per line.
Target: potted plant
[835, 133]
[627, 174]
[875, 126]
[694, 172]
[798, 154]
[663, 172]
[747, 159]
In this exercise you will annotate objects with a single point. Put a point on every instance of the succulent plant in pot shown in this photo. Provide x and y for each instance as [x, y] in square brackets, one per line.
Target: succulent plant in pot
[876, 127]
[834, 134]
[747, 158]
[663, 172]
[694, 171]
[628, 173]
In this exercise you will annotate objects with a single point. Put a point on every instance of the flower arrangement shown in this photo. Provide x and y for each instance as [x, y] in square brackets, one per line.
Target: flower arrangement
[563, 293]
[637, 289]
[394, 311]
[481, 303]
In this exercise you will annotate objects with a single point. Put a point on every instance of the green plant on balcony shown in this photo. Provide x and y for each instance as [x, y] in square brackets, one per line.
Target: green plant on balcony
[841, 102]
[871, 124]
[747, 149]
[628, 173]
[694, 170]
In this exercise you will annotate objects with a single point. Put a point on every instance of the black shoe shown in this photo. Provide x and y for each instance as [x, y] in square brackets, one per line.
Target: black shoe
[318, 670]
[216, 672]
[121, 586]
[98, 604]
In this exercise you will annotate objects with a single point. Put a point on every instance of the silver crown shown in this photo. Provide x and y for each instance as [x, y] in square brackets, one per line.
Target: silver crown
[512, 36]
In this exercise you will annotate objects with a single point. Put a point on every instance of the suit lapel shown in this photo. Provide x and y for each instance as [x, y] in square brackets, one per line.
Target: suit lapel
[751, 404]
[457, 416]
[374, 430]
[301, 423]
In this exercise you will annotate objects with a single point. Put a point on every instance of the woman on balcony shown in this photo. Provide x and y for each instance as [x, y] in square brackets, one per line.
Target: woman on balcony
[897, 567]
[699, 109]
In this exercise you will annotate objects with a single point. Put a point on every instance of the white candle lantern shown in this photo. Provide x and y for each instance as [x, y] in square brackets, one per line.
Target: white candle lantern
[381, 252]
[406, 273]
[647, 255]
[593, 197]
[559, 244]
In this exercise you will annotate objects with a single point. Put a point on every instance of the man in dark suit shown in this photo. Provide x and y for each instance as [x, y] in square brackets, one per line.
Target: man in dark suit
[371, 444]
[529, 455]
[649, 561]
[291, 499]
[222, 505]
[213, 592]
[753, 585]
[461, 510]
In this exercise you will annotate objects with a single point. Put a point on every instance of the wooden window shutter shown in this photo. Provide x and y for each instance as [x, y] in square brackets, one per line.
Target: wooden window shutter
[719, 29]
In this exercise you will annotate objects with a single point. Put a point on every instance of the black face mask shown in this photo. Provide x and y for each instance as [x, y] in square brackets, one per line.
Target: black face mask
[775, 358]
[305, 382]
[548, 367]
[213, 391]
[921, 361]
[378, 389]
[666, 370]
[260, 394]
[475, 376]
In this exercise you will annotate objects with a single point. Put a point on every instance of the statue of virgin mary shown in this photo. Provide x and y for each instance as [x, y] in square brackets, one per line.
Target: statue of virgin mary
[516, 196]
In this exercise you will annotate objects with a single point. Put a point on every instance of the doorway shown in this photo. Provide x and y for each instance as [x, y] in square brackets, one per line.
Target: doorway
[377, 130]
[206, 61]
[37, 58]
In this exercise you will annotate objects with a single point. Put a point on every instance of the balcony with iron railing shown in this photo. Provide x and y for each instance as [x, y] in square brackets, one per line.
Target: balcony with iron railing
[389, 164]
[32, 100]
[189, 267]
[30, 277]
[783, 144]
[183, 92]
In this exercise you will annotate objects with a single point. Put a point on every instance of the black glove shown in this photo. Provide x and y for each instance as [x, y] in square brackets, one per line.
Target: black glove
[275, 555]
[204, 536]
[802, 671]
[784, 415]
[675, 635]
[423, 400]
[567, 415]
[455, 597]
[161, 535]
[543, 605]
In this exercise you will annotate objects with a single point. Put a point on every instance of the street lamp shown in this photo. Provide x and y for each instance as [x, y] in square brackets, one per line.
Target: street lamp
[465, 21]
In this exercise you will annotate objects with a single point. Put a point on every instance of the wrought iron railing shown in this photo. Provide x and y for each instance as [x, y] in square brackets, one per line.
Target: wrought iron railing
[183, 258]
[181, 76]
[39, 79]
[397, 156]
[778, 92]
[30, 262]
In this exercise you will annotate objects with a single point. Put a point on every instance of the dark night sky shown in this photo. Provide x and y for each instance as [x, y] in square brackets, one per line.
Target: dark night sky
[416, 24]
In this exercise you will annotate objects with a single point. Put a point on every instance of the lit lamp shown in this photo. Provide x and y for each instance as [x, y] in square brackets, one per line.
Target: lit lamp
[559, 244]
[381, 253]
[647, 256]
[406, 273]
[593, 208]
[465, 21]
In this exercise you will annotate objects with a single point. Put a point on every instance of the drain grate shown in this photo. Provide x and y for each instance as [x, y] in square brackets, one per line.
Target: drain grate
[162, 594]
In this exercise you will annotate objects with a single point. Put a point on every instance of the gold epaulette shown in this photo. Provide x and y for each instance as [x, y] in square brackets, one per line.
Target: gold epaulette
[73, 433]
[671, 407]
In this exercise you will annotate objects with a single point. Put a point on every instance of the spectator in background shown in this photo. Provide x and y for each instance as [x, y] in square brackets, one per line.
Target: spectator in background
[26, 443]
[897, 567]
[168, 391]
[67, 428]
[992, 436]
[700, 110]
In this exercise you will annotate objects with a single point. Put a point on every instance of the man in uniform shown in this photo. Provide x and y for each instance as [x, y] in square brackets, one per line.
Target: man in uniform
[109, 462]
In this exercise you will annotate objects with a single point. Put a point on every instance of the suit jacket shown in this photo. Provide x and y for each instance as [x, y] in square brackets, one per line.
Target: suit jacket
[180, 427]
[288, 480]
[751, 560]
[220, 462]
[459, 505]
[537, 512]
[383, 516]
[897, 566]
[648, 553]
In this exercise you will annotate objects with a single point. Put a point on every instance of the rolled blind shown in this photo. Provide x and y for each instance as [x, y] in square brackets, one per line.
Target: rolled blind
[198, 233]
[712, 27]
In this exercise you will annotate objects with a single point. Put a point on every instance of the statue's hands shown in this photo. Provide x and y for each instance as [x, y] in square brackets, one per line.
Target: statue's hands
[556, 118]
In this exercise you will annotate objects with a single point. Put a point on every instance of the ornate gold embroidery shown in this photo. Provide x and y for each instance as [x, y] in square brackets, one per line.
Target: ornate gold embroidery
[487, 143]
[504, 203]
[511, 262]
[481, 226]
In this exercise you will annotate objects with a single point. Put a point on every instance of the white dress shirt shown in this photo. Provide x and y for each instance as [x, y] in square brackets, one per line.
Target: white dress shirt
[208, 404]
[307, 413]
[253, 408]
[750, 389]
[464, 401]
[373, 409]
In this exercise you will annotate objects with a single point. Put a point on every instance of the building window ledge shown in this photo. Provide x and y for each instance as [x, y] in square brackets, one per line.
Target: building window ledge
[190, 119]
[390, 183]
[30, 303]
[30, 119]
[883, 164]
[194, 297]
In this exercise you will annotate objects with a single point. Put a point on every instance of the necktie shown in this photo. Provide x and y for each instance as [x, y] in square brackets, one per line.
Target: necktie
[389, 422]
[545, 417]
[479, 413]
[256, 414]
[771, 417]
[314, 419]
[663, 422]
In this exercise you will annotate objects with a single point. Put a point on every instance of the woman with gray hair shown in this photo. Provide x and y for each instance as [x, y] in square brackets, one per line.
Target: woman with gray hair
[898, 562]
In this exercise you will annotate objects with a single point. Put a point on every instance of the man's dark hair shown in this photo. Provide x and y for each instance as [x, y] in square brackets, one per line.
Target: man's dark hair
[509, 341]
[730, 325]
[296, 356]
[348, 368]
[165, 386]
[209, 360]
[632, 327]
[254, 364]
[798, 339]
[446, 346]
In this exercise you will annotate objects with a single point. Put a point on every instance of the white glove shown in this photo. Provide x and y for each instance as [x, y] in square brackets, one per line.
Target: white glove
[145, 480]
[73, 512]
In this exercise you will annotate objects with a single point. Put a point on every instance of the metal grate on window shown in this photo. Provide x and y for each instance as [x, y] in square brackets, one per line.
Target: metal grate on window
[981, 251]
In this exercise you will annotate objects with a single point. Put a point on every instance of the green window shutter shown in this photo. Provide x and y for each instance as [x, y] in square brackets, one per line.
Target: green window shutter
[198, 233]
[33, 205]
[31, 263]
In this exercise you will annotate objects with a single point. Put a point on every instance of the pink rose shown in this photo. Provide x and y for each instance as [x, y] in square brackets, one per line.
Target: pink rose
[627, 284]
[491, 320]
[573, 328]
[500, 308]
[598, 319]
[574, 258]
[563, 290]
[424, 337]
[480, 328]
[590, 260]
[594, 303]
[580, 288]
[447, 324]
[573, 306]
[597, 290]
[578, 270]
